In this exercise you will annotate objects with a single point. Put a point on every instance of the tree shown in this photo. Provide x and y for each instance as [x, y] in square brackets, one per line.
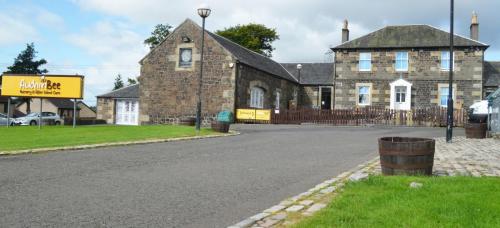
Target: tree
[25, 64]
[256, 37]
[159, 33]
[118, 82]
[131, 81]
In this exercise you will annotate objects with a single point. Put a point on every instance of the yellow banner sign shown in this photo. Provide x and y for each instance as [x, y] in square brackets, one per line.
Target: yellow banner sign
[245, 114]
[253, 114]
[50, 86]
[263, 114]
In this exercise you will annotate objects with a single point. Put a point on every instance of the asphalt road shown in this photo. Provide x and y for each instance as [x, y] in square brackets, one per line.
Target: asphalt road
[201, 183]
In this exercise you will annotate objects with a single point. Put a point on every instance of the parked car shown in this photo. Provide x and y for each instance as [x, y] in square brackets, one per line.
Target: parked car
[34, 117]
[478, 112]
[3, 119]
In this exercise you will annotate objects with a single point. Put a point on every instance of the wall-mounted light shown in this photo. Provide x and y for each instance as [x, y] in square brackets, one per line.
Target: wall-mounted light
[231, 65]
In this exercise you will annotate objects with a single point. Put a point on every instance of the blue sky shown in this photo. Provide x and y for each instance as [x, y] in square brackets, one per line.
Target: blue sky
[103, 38]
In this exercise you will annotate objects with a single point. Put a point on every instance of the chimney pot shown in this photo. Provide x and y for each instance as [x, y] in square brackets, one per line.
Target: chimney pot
[345, 32]
[474, 27]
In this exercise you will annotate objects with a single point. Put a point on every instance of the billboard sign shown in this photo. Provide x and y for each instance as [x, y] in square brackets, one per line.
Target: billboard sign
[42, 86]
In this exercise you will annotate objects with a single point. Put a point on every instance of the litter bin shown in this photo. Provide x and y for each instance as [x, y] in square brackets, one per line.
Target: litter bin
[224, 120]
[406, 156]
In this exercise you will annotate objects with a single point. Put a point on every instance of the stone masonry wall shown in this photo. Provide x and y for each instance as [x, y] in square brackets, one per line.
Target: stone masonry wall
[106, 109]
[248, 77]
[424, 73]
[168, 91]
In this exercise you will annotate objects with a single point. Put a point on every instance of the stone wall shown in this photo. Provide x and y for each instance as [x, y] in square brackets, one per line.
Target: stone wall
[424, 72]
[106, 109]
[248, 77]
[168, 91]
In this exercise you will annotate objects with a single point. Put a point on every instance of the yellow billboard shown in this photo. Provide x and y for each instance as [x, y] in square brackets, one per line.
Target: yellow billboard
[44, 86]
[263, 114]
[245, 114]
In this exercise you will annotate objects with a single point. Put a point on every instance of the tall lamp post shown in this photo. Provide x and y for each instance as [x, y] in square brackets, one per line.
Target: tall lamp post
[299, 68]
[204, 12]
[449, 128]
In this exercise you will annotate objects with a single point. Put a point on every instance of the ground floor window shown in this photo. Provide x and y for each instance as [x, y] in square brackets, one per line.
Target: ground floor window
[277, 102]
[257, 97]
[401, 94]
[443, 94]
[363, 93]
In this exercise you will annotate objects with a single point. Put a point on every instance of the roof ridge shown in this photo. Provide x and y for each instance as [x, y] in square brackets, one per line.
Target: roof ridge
[455, 34]
[125, 87]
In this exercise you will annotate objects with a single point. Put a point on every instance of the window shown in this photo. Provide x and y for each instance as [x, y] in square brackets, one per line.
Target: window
[257, 97]
[445, 60]
[365, 61]
[364, 95]
[443, 96]
[185, 57]
[402, 61]
[400, 94]
[277, 102]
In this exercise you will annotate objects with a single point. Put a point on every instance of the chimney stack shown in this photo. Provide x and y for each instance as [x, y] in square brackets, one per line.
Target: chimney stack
[474, 27]
[345, 32]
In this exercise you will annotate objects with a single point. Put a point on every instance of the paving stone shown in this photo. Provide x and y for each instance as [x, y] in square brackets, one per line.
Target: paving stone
[295, 208]
[274, 209]
[358, 176]
[260, 216]
[269, 223]
[316, 207]
[328, 190]
[244, 224]
[279, 216]
[306, 202]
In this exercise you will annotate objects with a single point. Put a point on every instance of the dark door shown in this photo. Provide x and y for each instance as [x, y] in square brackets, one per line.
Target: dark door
[326, 98]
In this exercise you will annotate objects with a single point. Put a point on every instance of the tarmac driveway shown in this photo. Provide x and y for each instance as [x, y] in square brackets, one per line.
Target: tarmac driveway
[201, 183]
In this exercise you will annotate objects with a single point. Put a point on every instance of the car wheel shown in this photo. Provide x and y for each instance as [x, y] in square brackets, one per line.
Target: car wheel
[58, 123]
[33, 123]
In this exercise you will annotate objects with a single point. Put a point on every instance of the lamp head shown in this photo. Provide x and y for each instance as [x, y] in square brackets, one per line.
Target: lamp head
[299, 66]
[204, 11]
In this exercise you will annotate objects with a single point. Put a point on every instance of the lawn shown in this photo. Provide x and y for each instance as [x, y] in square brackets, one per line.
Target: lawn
[389, 202]
[27, 137]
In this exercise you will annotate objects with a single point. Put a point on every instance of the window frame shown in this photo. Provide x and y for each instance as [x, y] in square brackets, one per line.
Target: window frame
[454, 94]
[257, 97]
[361, 59]
[400, 93]
[368, 94]
[181, 65]
[401, 60]
[441, 61]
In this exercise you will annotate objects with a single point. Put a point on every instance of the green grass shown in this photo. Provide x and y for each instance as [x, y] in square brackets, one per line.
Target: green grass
[27, 137]
[389, 202]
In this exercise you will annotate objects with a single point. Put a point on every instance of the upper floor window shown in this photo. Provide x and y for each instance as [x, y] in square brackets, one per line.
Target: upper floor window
[445, 60]
[365, 61]
[257, 97]
[401, 61]
[185, 57]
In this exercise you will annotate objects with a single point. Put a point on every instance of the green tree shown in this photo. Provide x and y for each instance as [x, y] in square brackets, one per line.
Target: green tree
[256, 37]
[118, 82]
[25, 63]
[159, 33]
[131, 81]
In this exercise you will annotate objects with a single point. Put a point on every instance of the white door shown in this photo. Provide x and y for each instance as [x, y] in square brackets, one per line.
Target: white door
[400, 95]
[400, 98]
[127, 112]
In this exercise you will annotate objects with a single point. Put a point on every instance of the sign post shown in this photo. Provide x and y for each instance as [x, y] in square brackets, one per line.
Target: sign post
[8, 112]
[43, 86]
[40, 114]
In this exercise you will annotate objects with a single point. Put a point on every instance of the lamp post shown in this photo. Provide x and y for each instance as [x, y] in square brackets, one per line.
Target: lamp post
[299, 68]
[449, 128]
[204, 12]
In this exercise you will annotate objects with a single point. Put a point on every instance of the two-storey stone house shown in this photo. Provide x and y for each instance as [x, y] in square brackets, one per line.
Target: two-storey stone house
[404, 67]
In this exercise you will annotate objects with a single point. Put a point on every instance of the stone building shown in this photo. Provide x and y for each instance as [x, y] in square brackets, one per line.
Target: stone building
[403, 67]
[491, 78]
[120, 106]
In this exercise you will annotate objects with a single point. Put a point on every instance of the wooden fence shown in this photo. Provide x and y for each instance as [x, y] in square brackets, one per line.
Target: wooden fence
[430, 117]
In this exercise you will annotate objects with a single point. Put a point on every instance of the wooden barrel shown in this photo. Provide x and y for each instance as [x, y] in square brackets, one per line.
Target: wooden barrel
[188, 121]
[406, 156]
[220, 126]
[475, 130]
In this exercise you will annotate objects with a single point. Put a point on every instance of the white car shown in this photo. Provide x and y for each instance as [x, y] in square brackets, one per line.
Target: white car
[3, 120]
[34, 117]
[480, 108]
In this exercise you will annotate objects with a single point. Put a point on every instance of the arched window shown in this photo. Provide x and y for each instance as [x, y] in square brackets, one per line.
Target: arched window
[257, 97]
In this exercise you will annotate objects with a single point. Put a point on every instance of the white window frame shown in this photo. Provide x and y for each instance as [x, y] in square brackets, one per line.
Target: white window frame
[369, 94]
[400, 93]
[442, 60]
[402, 60]
[365, 57]
[445, 86]
[257, 97]
[277, 101]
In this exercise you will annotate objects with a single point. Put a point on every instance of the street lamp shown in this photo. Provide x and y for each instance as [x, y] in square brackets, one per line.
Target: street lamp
[299, 68]
[449, 127]
[204, 12]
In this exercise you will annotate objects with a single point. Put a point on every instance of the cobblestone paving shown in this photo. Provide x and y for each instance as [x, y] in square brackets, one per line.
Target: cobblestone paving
[471, 157]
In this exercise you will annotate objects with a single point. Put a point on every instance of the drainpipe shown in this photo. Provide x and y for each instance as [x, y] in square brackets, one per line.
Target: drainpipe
[237, 75]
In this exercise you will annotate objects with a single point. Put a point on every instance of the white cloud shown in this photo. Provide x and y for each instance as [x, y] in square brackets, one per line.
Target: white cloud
[118, 50]
[15, 30]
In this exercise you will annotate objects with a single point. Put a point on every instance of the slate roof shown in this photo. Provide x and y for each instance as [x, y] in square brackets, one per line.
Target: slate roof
[408, 36]
[312, 73]
[125, 92]
[491, 74]
[253, 59]
[62, 103]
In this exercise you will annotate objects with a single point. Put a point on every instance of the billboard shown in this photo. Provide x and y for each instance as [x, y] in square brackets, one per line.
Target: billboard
[42, 86]
[253, 114]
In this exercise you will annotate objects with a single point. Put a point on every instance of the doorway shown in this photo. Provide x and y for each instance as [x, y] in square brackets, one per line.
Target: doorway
[326, 98]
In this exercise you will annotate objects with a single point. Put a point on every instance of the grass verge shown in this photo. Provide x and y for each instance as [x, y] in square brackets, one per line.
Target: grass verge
[390, 202]
[26, 137]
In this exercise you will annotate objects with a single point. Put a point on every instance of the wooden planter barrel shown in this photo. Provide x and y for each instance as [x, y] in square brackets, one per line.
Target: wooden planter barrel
[220, 126]
[406, 156]
[187, 121]
[475, 130]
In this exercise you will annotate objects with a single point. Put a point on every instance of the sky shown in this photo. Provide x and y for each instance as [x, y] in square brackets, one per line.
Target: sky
[103, 38]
